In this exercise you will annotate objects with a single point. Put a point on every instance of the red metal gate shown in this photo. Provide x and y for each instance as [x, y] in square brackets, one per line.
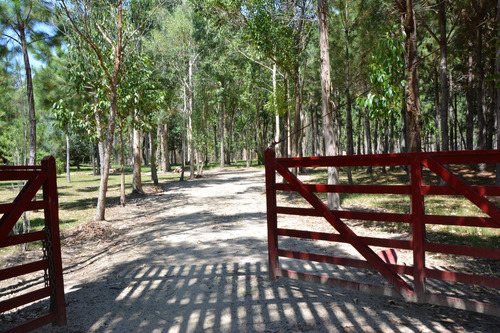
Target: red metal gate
[411, 291]
[37, 177]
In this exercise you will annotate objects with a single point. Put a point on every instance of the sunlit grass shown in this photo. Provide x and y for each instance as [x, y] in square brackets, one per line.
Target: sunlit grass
[401, 204]
[78, 198]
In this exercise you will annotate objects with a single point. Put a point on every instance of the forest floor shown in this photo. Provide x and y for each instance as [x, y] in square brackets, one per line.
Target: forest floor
[192, 257]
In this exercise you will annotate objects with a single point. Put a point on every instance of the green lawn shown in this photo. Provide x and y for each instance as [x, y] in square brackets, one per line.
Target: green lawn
[434, 205]
[78, 199]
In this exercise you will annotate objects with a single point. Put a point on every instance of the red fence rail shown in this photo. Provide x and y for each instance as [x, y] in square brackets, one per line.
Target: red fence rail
[413, 286]
[37, 177]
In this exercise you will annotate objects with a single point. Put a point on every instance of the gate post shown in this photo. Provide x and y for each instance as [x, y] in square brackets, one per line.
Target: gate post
[51, 212]
[418, 228]
[272, 216]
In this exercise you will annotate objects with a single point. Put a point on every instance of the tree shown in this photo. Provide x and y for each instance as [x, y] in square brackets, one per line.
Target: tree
[413, 98]
[326, 102]
[25, 19]
[102, 30]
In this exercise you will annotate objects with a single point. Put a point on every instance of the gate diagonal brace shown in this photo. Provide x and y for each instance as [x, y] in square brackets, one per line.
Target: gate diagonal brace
[462, 188]
[399, 284]
[28, 192]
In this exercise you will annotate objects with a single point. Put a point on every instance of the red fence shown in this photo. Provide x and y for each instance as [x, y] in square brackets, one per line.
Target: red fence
[413, 286]
[36, 177]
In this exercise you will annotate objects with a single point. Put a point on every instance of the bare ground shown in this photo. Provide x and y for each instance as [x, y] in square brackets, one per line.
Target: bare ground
[192, 257]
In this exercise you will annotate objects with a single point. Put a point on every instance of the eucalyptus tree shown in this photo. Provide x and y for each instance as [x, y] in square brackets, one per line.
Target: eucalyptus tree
[326, 100]
[26, 24]
[105, 31]
[280, 31]
[174, 45]
[406, 8]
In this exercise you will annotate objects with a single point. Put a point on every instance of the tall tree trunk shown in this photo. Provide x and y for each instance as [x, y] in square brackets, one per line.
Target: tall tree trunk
[68, 175]
[368, 141]
[183, 154]
[451, 118]
[469, 100]
[92, 157]
[152, 151]
[296, 119]
[275, 103]
[286, 132]
[29, 96]
[190, 121]
[107, 150]
[222, 133]
[113, 85]
[482, 108]
[443, 73]
[164, 149]
[358, 139]
[313, 129]
[438, 109]
[123, 200]
[497, 89]
[136, 177]
[349, 134]
[413, 98]
[159, 144]
[326, 100]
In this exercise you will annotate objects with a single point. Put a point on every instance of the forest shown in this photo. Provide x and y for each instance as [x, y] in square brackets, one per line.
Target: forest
[190, 82]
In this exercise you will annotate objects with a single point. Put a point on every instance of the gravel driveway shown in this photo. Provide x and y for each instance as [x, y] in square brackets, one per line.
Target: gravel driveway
[192, 257]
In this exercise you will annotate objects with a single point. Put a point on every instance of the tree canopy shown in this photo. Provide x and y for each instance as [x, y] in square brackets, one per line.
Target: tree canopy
[218, 80]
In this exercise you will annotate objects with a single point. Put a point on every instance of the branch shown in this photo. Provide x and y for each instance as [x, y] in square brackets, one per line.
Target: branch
[11, 24]
[10, 37]
[430, 31]
[88, 41]
[247, 56]
[125, 43]
[104, 34]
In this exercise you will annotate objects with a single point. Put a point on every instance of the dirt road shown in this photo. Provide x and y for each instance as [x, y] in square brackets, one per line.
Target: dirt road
[193, 258]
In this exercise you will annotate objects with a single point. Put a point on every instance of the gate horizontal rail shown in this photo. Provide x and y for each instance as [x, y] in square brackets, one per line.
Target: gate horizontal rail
[42, 177]
[418, 219]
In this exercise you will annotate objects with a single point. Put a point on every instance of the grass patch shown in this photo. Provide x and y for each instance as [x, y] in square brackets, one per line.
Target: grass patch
[78, 199]
[434, 205]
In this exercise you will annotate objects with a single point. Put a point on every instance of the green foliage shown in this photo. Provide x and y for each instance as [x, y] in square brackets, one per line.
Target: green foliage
[385, 77]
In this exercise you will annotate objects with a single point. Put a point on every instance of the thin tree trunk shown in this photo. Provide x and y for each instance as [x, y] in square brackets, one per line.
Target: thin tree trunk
[497, 90]
[349, 134]
[190, 121]
[29, 97]
[469, 99]
[286, 132]
[368, 141]
[118, 50]
[438, 109]
[222, 134]
[183, 155]
[165, 149]
[451, 118]
[92, 149]
[136, 178]
[443, 74]
[482, 108]
[159, 144]
[122, 168]
[107, 151]
[296, 119]
[413, 98]
[326, 101]
[68, 175]
[152, 151]
[275, 102]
